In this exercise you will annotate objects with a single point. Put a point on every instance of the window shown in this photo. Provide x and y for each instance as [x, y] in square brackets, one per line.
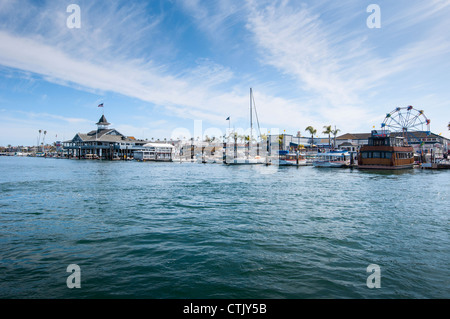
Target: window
[376, 155]
[379, 142]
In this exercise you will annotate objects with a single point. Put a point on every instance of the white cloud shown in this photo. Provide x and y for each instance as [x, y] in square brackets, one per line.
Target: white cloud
[338, 74]
[215, 18]
[341, 71]
[19, 127]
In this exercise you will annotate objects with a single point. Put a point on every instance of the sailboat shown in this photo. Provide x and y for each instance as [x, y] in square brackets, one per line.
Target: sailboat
[248, 159]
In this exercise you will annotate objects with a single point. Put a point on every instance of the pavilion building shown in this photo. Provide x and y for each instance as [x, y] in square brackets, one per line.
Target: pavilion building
[103, 143]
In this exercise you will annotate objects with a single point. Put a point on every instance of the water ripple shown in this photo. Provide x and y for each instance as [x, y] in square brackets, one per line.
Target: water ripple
[169, 230]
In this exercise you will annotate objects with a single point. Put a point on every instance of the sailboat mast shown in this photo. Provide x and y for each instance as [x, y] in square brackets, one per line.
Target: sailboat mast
[251, 121]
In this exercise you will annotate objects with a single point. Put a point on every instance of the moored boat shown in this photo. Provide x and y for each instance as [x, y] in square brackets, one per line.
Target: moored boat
[291, 159]
[384, 151]
[332, 159]
[246, 161]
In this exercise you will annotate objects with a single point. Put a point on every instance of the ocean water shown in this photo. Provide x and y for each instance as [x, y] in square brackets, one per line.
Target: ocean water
[186, 230]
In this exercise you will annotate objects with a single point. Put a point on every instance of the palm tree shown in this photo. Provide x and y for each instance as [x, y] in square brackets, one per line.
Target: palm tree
[43, 142]
[311, 131]
[263, 137]
[247, 141]
[335, 132]
[39, 140]
[280, 141]
[328, 131]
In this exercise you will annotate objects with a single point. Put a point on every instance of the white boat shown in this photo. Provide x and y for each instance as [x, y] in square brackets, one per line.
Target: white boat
[332, 159]
[246, 159]
[290, 159]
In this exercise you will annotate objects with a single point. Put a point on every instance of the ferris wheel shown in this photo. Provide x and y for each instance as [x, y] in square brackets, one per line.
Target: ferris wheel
[406, 120]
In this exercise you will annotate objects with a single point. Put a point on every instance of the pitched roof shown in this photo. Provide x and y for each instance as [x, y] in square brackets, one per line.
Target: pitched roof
[103, 121]
[103, 135]
[354, 136]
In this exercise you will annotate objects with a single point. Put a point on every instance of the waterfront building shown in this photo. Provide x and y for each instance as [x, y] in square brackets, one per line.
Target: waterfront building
[352, 141]
[428, 143]
[159, 152]
[103, 143]
[286, 142]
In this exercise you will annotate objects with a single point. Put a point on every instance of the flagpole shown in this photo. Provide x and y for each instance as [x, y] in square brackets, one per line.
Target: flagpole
[229, 123]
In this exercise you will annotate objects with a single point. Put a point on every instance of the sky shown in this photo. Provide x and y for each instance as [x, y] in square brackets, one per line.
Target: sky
[180, 68]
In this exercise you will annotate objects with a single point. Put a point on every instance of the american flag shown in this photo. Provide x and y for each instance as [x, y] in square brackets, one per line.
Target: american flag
[100, 105]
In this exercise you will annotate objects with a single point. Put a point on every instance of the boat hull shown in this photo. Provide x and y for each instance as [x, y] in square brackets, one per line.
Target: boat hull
[292, 163]
[331, 164]
[245, 162]
[385, 167]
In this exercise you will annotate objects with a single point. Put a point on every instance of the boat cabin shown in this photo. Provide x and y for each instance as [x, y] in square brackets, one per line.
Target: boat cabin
[384, 151]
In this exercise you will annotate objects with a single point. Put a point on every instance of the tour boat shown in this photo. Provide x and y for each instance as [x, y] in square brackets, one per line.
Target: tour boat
[332, 159]
[384, 151]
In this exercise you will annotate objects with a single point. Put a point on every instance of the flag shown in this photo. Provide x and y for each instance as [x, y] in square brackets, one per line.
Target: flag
[100, 105]
[228, 118]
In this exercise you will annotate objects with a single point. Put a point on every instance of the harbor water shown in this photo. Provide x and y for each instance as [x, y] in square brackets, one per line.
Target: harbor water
[188, 230]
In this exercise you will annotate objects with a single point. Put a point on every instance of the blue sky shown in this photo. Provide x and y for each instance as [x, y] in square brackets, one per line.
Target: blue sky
[159, 66]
